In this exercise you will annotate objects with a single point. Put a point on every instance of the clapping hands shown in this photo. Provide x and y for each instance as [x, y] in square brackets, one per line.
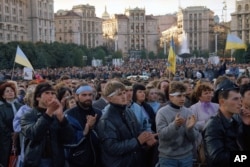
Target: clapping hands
[54, 107]
[148, 138]
[190, 122]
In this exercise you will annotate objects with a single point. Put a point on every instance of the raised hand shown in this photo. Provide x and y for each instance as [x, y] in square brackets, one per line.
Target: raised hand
[179, 120]
[91, 120]
[190, 122]
[52, 105]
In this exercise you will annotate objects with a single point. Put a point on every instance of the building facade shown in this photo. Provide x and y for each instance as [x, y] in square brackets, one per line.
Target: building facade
[40, 18]
[131, 33]
[240, 23]
[13, 24]
[80, 26]
[26, 20]
[198, 23]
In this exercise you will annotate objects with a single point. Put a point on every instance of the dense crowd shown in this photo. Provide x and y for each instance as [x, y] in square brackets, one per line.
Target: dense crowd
[96, 117]
[153, 68]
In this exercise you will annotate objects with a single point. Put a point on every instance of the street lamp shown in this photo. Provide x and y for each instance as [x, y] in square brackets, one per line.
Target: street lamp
[116, 43]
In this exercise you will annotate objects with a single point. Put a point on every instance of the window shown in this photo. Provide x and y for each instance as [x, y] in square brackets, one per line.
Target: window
[6, 9]
[247, 7]
[239, 7]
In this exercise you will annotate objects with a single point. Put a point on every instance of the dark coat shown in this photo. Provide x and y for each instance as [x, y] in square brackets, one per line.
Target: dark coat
[6, 129]
[35, 126]
[221, 136]
[100, 104]
[89, 143]
[118, 130]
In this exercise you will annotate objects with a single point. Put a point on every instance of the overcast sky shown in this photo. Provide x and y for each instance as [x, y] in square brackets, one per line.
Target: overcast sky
[155, 7]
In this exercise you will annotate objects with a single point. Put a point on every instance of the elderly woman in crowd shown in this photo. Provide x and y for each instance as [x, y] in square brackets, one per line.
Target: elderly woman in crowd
[203, 109]
[8, 108]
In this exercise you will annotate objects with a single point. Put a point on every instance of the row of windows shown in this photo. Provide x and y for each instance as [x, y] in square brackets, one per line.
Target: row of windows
[246, 7]
[9, 37]
[14, 2]
[10, 28]
[7, 10]
[88, 23]
[8, 19]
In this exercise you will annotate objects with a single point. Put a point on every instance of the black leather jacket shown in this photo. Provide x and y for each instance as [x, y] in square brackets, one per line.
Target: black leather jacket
[35, 126]
[118, 130]
[221, 136]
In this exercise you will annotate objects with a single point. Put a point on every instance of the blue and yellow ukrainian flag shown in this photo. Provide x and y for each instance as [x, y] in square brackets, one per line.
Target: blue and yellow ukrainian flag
[172, 57]
[234, 42]
[22, 59]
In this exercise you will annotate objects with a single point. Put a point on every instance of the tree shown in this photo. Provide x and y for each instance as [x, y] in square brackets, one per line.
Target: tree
[117, 55]
[151, 55]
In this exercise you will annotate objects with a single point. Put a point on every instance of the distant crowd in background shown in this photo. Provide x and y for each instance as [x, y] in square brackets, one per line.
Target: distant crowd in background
[96, 117]
[153, 68]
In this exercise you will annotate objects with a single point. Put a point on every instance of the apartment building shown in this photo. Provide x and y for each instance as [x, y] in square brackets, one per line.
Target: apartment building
[26, 20]
[131, 32]
[240, 23]
[198, 23]
[40, 20]
[80, 26]
[13, 24]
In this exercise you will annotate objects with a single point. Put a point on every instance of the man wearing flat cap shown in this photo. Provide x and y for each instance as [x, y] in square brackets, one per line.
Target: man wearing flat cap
[221, 133]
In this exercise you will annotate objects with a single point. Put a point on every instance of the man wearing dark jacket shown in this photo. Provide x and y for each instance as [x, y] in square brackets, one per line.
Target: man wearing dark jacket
[84, 147]
[45, 130]
[121, 139]
[221, 133]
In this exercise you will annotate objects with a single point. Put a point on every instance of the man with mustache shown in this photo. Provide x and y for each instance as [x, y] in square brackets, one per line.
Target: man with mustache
[84, 149]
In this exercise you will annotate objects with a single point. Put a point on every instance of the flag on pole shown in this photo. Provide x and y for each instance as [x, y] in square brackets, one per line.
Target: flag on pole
[22, 59]
[234, 42]
[172, 58]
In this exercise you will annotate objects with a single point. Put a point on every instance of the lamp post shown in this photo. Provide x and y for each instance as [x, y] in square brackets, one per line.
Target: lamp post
[164, 45]
[116, 43]
[216, 43]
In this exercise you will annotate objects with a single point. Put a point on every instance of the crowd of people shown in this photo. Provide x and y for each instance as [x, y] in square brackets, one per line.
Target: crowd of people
[96, 117]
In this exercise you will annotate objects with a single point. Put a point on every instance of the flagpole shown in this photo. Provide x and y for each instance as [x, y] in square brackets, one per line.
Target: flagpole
[13, 70]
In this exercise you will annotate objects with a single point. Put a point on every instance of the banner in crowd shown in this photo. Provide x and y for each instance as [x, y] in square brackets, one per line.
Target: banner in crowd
[27, 73]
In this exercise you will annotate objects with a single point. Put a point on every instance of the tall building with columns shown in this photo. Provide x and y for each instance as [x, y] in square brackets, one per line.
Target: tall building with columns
[80, 26]
[13, 24]
[198, 23]
[40, 18]
[240, 23]
[26, 20]
[132, 32]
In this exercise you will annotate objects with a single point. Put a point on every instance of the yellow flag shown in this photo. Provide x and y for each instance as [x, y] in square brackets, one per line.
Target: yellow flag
[22, 59]
[234, 42]
[172, 58]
